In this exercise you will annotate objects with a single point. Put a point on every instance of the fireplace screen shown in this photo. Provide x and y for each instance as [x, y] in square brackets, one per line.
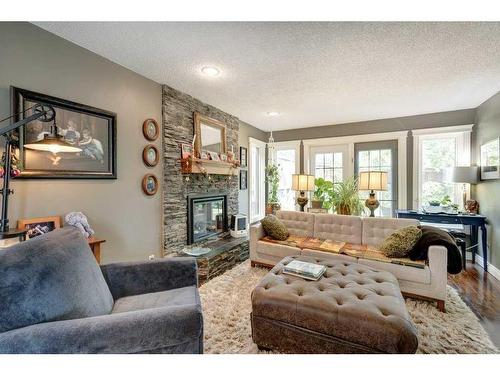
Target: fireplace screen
[207, 217]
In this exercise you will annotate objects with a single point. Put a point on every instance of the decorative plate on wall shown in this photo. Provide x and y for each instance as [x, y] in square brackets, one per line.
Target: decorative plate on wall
[150, 155]
[150, 184]
[150, 129]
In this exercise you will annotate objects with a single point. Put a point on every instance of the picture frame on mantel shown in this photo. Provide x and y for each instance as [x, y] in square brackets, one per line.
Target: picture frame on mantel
[91, 129]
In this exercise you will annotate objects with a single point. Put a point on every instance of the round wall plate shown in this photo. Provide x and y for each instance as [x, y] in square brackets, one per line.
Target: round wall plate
[149, 184]
[150, 129]
[150, 155]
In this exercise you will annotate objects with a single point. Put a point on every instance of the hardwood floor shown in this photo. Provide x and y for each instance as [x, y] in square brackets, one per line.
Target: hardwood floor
[481, 292]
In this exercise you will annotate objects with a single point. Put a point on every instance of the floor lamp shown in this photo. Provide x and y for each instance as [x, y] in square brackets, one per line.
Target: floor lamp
[52, 142]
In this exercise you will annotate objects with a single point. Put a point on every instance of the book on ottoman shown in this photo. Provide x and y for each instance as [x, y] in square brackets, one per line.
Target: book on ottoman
[309, 271]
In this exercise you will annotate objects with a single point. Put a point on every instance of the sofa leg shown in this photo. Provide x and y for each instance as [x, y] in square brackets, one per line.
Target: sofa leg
[440, 306]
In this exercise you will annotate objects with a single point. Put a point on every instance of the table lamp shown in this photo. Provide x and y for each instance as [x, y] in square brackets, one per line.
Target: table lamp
[373, 180]
[463, 175]
[302, 183]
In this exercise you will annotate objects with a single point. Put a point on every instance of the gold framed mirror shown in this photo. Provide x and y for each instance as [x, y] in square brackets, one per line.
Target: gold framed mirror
[210, 135]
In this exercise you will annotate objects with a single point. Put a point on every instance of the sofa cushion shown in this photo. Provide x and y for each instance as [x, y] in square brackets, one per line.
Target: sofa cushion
[338, 227]
[274, 228]
[168, 298]
[413, 274]
[298, 223]
[51, 277]
[276, 250]
[399, 243]
[376, 229]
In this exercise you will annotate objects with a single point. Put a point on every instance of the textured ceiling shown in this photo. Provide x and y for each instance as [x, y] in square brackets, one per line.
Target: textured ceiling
[311, 73]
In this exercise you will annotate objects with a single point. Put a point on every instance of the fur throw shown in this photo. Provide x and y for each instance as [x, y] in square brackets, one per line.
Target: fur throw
[79, 220]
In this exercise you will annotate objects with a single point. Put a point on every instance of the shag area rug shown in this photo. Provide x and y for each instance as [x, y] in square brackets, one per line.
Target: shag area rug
[227, 306]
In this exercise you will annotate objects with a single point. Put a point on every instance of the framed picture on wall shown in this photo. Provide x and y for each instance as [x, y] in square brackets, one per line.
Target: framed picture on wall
[243, 179]
[91, 129]
[40, 225]
[243, 156]
[490, 160]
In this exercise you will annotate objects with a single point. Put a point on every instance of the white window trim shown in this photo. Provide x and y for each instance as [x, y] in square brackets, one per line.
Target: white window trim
[255, 216]
[463, 134]
[400, 136]
[290, 145]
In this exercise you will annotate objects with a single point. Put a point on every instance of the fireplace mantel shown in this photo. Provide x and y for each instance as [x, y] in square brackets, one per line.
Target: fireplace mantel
[202, 166]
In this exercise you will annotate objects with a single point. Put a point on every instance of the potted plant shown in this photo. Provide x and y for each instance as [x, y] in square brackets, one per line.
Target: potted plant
[346, 197]
[273, 181]
[323, 194]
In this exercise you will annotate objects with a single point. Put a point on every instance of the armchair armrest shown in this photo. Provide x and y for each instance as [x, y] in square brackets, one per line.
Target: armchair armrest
[150, 330]
[133, 278]
[438, 263]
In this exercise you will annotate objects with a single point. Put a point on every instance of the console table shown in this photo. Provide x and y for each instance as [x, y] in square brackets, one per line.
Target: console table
[474, 221]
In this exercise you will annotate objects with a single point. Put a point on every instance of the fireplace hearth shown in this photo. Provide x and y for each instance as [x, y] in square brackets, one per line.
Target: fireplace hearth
[207, 216]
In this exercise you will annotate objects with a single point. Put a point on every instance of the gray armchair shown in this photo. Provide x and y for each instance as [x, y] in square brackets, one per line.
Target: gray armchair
[55, 299]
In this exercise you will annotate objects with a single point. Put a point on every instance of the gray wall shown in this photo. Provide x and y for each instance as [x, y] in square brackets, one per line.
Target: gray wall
[34, 59]
[431, 120]
[488, 191]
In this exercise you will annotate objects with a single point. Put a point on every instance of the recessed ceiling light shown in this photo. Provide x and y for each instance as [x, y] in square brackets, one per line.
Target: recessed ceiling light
[273, 114]
[210, 71]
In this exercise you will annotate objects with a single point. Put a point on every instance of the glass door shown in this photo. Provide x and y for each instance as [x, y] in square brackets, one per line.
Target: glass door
[330, 163]
[380, 156]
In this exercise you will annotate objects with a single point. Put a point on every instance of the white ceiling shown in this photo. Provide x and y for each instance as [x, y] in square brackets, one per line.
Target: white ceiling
[311, 73]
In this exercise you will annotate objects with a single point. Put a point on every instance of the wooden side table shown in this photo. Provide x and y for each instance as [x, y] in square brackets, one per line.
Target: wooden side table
[95, 246]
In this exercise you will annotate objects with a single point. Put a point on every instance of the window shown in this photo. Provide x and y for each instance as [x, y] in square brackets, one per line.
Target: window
[435, 152]
[285, 159]
[379, 156]
[257, 188]
[329, 166]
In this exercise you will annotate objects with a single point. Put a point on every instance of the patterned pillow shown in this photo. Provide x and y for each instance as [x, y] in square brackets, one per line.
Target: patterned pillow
[275, 228]
[401, 242]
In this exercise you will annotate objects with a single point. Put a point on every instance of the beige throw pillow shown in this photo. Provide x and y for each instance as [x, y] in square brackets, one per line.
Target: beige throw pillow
[400, 243]
[275, 228]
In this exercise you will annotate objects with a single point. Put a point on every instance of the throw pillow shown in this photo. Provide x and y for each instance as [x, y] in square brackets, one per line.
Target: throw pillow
[401, 242]
[275, 228]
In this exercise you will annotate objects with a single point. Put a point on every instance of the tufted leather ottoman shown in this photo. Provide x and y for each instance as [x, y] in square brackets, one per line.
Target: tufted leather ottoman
[352, 309]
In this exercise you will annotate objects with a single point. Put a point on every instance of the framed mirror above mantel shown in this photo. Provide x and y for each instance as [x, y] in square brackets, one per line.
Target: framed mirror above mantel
[210, 135]
[210, 154]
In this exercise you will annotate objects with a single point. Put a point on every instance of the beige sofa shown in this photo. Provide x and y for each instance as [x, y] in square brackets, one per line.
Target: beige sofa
[428, 282]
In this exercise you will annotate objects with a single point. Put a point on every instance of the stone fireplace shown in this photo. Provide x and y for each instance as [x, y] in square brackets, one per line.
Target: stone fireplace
[197, 207]
[207, 216]
[178, 127]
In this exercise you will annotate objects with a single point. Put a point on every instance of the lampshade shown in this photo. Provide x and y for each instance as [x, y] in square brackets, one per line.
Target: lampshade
[52, 143]
[373, 180]
[464, 175]
[302, 182]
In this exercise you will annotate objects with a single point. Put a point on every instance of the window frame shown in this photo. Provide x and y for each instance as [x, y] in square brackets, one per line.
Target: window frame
[261, 146]
[285, 146]
[462, 135]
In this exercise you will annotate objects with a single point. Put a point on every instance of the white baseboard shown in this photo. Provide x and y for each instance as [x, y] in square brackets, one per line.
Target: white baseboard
[492, 270]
